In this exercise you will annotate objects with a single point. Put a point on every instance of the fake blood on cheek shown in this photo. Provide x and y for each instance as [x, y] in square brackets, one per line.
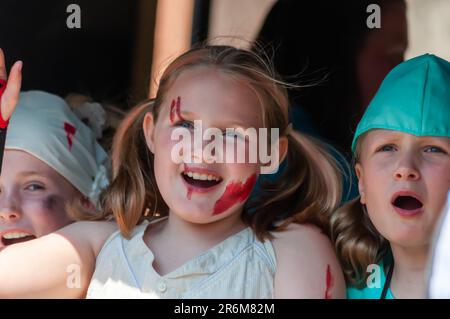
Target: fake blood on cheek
[235, 192]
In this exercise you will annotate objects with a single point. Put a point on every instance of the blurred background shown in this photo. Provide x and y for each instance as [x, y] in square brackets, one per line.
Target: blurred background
[428, 22]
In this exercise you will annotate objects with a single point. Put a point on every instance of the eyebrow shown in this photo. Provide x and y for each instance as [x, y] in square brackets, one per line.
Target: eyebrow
[230, 124]
[30, 173]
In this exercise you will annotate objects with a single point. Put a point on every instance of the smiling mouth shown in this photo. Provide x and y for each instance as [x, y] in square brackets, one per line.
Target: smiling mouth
[15, 238]
[201, 180]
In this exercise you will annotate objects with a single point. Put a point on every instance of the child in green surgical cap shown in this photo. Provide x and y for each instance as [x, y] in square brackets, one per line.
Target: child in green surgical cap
[402, 160]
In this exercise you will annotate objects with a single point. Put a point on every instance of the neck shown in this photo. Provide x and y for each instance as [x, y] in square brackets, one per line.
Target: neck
[203, 235]
[408, 278]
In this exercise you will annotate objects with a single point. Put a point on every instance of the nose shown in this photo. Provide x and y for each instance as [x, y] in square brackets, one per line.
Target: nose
[8, 210]
[207, 150]
[406, 170]
[9, 216]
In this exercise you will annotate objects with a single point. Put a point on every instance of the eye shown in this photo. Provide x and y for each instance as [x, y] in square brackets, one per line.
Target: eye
[434, 149]
[34, 187]
[229, 133]
[233, 134]
[387, 148]
[185, 124]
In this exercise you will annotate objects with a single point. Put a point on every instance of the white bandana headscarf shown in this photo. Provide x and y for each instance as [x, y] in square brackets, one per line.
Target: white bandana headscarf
[44, 126]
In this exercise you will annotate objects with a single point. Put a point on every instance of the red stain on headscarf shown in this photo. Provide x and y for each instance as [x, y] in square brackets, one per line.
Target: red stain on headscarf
[70, 133]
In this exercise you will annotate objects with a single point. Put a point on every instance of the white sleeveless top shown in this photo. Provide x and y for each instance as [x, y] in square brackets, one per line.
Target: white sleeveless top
[239, 267]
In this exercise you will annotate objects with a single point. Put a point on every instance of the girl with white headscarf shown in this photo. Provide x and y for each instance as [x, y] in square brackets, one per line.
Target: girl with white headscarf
[50, 159]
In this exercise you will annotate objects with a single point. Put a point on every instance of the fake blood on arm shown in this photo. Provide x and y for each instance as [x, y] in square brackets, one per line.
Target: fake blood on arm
[329, 283]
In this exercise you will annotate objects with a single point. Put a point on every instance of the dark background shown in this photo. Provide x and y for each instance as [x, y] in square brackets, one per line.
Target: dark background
[95, 60]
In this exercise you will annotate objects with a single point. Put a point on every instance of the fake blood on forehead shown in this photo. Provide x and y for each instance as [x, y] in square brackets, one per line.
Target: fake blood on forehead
[175, 110]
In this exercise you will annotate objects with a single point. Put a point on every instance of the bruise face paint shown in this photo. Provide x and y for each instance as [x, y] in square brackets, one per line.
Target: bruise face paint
[329, 283]
[235, 192]
[175, 110]
[52, 201]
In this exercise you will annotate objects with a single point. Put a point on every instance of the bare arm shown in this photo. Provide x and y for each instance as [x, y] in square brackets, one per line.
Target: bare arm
[9, 96]
[307, 266]
[58, 265]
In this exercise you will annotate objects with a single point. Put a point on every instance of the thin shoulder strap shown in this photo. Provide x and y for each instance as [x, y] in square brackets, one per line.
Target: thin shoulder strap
[387, 283]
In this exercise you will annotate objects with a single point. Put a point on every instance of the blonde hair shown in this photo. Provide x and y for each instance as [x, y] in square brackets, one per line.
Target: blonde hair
[357, 242]
[308, 191]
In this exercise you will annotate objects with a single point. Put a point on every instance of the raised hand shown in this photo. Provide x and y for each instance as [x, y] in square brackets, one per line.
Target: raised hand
[9, 87]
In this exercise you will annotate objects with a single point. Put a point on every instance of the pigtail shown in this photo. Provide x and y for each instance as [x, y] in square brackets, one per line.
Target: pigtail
[133, 188]
[357, 243]
[308, 191]
[131, 191]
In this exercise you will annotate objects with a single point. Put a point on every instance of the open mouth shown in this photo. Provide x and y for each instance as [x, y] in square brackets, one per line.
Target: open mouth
[201, 180]
[407, 203]
[16, 237]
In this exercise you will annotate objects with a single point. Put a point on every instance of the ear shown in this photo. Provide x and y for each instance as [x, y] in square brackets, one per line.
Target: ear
[283, 147]
[87, 204]
[148, 126]
[360, 175]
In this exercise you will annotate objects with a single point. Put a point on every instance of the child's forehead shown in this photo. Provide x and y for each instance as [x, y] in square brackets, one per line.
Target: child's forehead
[207, 76]
[209, 92]
[377, 134]
[23, 161]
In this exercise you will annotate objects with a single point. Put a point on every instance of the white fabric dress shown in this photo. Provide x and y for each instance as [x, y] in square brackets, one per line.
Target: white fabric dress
[239, 267]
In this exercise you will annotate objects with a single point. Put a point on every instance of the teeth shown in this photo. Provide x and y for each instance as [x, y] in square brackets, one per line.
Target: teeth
[15, 235]
[202, 177]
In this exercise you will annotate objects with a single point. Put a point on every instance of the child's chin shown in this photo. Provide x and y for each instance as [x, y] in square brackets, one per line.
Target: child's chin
[410, 239]
[200, 218]
[196, 212]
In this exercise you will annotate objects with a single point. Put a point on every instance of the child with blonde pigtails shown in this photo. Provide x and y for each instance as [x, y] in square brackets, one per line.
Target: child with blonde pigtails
[186, 226]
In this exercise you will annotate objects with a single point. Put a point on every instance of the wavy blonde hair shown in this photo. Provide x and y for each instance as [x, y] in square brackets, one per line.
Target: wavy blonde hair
[307, 192]
[357, 242]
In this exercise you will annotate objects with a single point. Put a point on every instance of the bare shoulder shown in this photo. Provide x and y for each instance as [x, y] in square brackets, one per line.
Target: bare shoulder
[90, 234]
[307, 266]
[300, 235]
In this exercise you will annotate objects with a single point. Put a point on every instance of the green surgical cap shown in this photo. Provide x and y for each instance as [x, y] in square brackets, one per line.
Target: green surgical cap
[414, 98]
